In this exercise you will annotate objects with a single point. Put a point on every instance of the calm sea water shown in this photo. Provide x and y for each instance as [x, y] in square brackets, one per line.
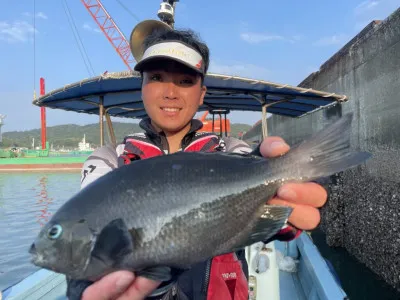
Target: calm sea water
[27, 200]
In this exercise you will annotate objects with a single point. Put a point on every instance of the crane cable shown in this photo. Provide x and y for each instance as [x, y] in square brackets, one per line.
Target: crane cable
[78, 39]
[128, 10]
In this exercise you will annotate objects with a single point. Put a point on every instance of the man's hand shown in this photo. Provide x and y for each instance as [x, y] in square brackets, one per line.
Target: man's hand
[120, 285]
[305, 198]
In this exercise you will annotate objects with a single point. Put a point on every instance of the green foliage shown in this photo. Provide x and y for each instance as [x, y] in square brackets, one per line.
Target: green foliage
[68, 136]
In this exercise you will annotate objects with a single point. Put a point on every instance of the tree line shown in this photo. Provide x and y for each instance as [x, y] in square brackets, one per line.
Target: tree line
[68, 136]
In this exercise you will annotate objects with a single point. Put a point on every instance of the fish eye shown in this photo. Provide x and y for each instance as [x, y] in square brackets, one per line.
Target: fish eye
[54, 232]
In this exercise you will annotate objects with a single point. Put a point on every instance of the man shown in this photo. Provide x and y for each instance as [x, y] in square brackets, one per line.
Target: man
[173, 68]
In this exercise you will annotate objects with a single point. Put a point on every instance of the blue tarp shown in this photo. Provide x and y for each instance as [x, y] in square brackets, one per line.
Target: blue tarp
[122, 96]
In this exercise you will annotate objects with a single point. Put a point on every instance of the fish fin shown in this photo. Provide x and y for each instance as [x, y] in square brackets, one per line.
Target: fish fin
[175, 293]
[113, 243]
[271, 220]
[158, 273]
[256, 151]
[326, 153]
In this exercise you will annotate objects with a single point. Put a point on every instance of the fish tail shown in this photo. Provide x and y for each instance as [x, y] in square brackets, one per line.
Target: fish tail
[327, 152]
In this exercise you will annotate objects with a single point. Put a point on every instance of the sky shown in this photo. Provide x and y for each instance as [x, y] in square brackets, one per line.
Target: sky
[279, 41]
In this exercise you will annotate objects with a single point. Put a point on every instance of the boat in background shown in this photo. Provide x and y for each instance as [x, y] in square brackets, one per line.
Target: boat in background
[220, 126]
[15, 159]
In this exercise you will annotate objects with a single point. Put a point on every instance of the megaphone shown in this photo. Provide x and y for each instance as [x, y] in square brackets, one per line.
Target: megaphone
[140, 32]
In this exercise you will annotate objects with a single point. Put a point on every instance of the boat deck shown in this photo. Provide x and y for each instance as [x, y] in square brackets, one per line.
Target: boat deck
[312, 281]
[43, 285]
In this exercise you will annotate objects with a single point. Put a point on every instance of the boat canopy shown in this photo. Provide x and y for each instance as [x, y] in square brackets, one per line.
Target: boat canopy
[119, 94]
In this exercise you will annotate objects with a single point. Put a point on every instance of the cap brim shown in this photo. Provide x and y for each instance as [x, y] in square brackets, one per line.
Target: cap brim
[141, 66]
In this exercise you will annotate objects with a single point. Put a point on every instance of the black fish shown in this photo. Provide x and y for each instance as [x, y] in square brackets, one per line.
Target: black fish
[180, 209]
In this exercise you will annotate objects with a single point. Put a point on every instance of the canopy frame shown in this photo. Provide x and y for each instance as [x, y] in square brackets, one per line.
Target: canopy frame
[117, 94]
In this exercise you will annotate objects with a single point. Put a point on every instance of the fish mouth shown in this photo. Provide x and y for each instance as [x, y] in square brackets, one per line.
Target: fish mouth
[35, 257]
[32, 249]
[37, 260]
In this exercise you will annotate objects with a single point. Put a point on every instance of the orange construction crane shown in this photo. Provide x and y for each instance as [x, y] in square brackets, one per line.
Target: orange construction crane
[110, 30]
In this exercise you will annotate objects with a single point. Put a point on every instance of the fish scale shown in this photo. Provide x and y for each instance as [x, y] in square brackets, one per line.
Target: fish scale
[212, 227]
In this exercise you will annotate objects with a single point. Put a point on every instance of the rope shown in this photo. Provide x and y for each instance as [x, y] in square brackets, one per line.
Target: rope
[128, 10]
[78, 39]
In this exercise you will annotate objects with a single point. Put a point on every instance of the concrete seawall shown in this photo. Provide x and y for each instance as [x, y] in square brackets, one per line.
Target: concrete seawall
[363, 211]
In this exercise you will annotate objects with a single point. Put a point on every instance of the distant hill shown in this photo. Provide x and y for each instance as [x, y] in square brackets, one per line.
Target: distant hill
[68, 136]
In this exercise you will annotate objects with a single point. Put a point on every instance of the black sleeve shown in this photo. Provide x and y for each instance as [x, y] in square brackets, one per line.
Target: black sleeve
[169, 290]
[75, 288]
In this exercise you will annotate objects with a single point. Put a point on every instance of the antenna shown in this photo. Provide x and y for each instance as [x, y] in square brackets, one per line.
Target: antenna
[2, 117]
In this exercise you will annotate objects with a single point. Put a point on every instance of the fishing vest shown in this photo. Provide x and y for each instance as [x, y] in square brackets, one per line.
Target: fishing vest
[222, 277]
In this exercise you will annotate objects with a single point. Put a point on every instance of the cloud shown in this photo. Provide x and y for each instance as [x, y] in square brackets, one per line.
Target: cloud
[297, 37]
[18, 31]
[331, 40]
[365, 6]
[40, 15]
[370, 10]
[256, 38]
[240, 69]
[89, 28]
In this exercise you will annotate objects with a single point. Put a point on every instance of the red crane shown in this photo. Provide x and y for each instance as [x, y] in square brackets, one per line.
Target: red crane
[110, 30]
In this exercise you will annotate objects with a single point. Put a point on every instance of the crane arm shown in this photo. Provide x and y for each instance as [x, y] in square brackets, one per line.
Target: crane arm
[110, 30]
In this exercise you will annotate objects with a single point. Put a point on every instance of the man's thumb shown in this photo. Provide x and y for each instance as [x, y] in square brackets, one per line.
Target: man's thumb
[109, 287]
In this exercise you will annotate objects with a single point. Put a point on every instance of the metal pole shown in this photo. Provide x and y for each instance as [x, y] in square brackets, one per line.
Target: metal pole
[111, 133]
[173, 4]
[220, 125]
[264, 106]
[43, 114]
[264, 122]
[101, 112]
[226, 128]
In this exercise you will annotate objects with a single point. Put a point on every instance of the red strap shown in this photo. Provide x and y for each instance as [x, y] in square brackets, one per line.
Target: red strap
[204, 144]
[144, 149]
[287, 234]
[227, 280]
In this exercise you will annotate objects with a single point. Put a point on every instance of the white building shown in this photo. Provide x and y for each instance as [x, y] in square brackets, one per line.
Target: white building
[83, 146]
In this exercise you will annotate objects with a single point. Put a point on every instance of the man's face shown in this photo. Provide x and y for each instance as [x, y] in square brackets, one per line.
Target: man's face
[171, 95]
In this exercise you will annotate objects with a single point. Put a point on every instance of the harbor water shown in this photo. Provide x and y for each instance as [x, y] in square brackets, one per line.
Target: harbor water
[27, 201]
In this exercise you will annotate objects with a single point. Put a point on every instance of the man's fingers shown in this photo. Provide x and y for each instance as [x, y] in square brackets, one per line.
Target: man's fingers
[303, 216]
[273, 146]
[140, 289]
[109, 287]
[308, 193]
